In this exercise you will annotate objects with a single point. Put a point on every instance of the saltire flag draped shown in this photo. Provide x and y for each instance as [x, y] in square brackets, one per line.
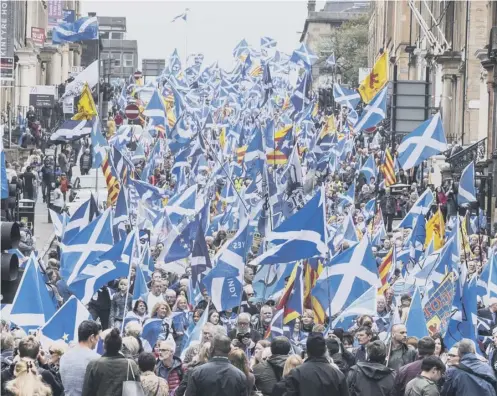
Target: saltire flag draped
[81, 217]
[369, 169]
[466, 192]
[376, 79]
[277, 328]
[63, 325]
[346, 97]
[425, 141]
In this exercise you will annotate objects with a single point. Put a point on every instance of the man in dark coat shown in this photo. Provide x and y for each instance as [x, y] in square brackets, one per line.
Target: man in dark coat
[400, 353]
[316, 377]
[218, 377]
[270, 371]
[471, 376]
[426, 347]
[490, 314]
[371, 378]
[388, 205]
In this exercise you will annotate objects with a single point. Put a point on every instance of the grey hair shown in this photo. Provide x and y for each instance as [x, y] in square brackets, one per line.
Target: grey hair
[466, 346]
[245, 315]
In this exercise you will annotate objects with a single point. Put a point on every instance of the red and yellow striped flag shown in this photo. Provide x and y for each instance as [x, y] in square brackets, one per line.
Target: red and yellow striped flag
[312, 270]
[113, 186]
[240, 153]
[384, 271]
[388, 169]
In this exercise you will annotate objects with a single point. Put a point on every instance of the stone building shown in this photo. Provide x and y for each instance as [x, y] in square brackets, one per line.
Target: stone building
[318, 28]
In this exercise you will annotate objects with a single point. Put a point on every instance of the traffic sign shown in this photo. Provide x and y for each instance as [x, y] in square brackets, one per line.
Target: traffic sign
[137, 74]
[132, 112]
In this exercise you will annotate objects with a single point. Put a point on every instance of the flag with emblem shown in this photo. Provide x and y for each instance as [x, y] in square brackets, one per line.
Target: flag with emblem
[376, 80]
[435, 230]
[86, 105]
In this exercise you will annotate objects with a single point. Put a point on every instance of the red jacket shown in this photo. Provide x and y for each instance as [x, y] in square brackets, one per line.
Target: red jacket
[173, 375]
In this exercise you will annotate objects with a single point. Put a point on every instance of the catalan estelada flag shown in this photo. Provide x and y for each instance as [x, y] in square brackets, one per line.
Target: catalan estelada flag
[388, 169]
[113, 186]
[376, 80]
[292, 300]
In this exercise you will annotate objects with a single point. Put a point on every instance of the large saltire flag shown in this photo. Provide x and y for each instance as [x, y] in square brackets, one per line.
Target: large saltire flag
[376, 80]
[435, 229]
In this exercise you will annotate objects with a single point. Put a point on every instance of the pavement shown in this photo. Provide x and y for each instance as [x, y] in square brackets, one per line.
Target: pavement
[44, 231]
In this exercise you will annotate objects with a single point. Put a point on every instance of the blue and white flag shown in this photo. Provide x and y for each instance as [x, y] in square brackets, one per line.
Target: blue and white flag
[349, 197]
[466, 193]
[90, 243]
[364, 305]
[200, 260]
[346, 97]
[63, 325]
[267, 42]
[304, 55]
[301, 236]
[140, 285]
[194, 332]
[416, 322]
[420, 207]
[3, 174]
[299, 97]
[151, 330]
[425, 141]
[72, 130]
[81, 217]
[374, 112]
[155, 110]
[347, 276]
[83, 29]
[59, 222]
[182, 205]
[99, 144]
[369, 168]
[487, 282]
[148, 192]
[417, 239]
[331, 60]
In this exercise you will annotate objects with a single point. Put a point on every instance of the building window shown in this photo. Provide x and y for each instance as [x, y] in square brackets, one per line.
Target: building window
[116, 35]
[116, 56]
[128, 60]
[104, 35]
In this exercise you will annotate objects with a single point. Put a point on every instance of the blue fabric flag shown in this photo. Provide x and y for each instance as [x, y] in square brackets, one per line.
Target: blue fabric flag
[83, 29]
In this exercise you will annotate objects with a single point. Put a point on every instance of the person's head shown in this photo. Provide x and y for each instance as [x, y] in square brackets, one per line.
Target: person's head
[492, 305]
[130, 347]
[405, 301]
[249, 291]
[181, 303]
[166, 350]
[399, 333]
[439, 344]
[316, 345]
[27, 381]
[156, 276]
[292, 362]
[155, 287]
[453, 356]
[146, 362]
[332, 345]
[214, 317]
[207, 332]
[465, 347]
[387, 244]
[280, 346]
[381, 303]
[113, 342]
[161, 310]
[29, 348]
[376, 352]
[266, 314]
[197, 314]
[123, 285]
[259, 347]
[204, 353]
[238, 358]
[56, 350]
[426, 347]
[243, 323]
[170, 297]
[364, 335]
[248, 274]
[6, 341]
[308, 317]
[220, 346]
[133, 329]
[433, 368]
[140, 307]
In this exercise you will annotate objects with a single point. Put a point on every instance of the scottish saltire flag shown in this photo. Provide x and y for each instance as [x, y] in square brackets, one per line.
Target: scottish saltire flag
[347, 276]
[425, 141]
[348, 234]
[81, 217]
[72, 130]
[122, 137]
[299, 97]
[3, 173]
[224, 281]
[346, 97]
[303, 56]
[99, 144]
[156, 111]
[112, 264]
[255, 157]
[184, 16]
[194, 332]
[63, 325]
[140, 285]
[83, 29]
[331, 60]
[301, 236]
[467, 190]
[374, 112]
[369, 168]
[59, 222]
[370, 209]
[148, 192]
[364, 305]
[416, 322]
[200, 260]
[420, 207]
[267, 42]
[417, 239]
[121, 216]
[90, 243]
[464, 320]
[151, 330]
[487, 282]
[269, 281]
[32, 305]
[349, 197]
[182, 205]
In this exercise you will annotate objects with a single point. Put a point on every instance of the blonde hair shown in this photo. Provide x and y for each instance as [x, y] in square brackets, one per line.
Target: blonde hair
[26, 381]
[58, 347]
[133, 329]
[180, 298]
[157, 306]
[130, 345]
[292, 362]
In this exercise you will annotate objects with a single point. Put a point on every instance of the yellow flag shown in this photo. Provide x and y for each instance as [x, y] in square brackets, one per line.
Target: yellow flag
[86, 106]
[435, 229]
[375, 80]
[222, 137]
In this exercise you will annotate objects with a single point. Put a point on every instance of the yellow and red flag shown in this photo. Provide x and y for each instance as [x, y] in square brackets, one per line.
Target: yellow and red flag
[376, 80]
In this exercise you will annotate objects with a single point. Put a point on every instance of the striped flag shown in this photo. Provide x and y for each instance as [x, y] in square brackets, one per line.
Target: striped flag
[113, 186]
[312, 269]
[388, 169]
[240, 153]
[386, 270]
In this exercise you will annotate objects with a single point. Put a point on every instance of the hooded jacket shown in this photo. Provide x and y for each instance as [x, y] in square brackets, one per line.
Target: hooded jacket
[268, 373]
[371, 379]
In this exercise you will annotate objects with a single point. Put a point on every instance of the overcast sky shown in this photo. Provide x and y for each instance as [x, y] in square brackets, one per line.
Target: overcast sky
[213, 28]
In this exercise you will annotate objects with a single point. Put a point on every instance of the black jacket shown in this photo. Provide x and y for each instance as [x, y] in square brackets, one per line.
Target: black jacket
[47, 376]
[268, 373]
[486, 314]
[254, 335]
[371, 379]
[217, 378]
[316, 377]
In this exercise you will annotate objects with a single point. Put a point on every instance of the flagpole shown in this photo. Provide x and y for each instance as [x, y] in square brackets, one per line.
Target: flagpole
[99, 107]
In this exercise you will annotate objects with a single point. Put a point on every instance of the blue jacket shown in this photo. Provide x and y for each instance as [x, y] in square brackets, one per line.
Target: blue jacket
[459, 382]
